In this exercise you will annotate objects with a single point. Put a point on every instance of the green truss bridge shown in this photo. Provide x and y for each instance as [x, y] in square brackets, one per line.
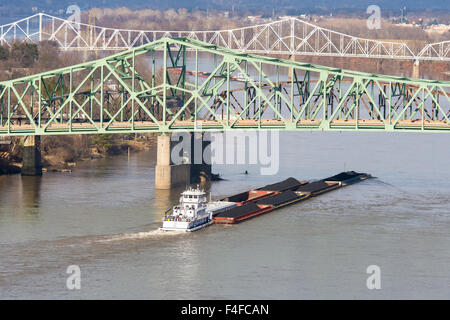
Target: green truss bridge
[180, 84]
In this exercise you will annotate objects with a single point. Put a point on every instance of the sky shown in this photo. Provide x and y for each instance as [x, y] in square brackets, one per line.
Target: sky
[11, 11]
[224, 4]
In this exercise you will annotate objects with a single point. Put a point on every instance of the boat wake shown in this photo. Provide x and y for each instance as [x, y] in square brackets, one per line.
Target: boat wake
[153, 234]
[379, 181]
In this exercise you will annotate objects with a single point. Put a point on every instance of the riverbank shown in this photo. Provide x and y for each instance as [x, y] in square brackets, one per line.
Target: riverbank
[58, 163]
[7, 168]
[61, 154]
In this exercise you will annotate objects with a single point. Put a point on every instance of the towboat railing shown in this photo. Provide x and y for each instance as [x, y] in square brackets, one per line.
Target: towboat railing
[168, 216]
[168, 212]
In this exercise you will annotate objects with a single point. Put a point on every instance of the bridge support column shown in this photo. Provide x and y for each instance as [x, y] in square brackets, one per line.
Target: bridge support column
[198, 168]
[201, 168]
[416, 69]
[167, 174]
[291, 58]
[32, 164]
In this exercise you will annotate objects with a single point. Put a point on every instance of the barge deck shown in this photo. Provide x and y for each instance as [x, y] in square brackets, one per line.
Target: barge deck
[271, 197]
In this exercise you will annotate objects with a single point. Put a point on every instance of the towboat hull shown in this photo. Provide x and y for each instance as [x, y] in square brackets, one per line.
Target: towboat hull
[184, 226]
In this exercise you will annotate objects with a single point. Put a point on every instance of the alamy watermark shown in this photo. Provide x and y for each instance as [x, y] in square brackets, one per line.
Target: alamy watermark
[73, 282]
[229, 148]
[374, 19]
[374, 280]
[75, 16]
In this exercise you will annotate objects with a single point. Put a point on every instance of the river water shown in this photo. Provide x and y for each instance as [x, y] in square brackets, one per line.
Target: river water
[104, 217]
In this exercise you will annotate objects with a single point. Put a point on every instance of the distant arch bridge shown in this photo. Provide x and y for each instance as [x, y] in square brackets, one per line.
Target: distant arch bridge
[290, 36]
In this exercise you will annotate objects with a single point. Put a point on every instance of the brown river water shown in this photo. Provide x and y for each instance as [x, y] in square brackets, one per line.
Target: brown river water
[104, 217]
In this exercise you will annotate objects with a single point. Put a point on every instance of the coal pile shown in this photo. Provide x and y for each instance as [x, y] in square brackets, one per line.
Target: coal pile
[288, 184]
[279, 199]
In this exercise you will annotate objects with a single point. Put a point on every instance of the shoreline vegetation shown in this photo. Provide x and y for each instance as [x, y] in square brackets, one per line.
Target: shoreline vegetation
[60, 153]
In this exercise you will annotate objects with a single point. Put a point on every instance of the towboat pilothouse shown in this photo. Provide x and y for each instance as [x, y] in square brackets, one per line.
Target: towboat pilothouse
[193, 212]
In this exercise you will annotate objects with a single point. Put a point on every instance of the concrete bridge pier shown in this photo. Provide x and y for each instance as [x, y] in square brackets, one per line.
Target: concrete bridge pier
[201, 168]
[169, 175]
[32, 162]
[416, 69]
[291, 58]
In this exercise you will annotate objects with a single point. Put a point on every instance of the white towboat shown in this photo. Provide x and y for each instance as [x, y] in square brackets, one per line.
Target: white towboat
[194, 212]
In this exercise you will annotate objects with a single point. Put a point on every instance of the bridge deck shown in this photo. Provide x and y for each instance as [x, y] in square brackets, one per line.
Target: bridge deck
[148, 126]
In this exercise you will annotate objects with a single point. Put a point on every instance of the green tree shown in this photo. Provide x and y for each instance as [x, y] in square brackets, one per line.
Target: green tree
[103, 141]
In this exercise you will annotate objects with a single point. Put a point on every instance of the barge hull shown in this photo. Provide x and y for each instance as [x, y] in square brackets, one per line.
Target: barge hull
[241, 213]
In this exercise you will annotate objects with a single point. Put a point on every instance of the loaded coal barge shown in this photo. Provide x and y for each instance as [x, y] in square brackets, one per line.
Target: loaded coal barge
[252, 203]
[281, 194]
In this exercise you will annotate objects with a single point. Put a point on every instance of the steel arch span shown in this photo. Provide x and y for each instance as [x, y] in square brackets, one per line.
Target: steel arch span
[291, 36]
[163, 87]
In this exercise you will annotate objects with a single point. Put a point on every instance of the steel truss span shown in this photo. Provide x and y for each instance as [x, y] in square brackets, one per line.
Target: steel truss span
[288, 37]
[167, 86]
